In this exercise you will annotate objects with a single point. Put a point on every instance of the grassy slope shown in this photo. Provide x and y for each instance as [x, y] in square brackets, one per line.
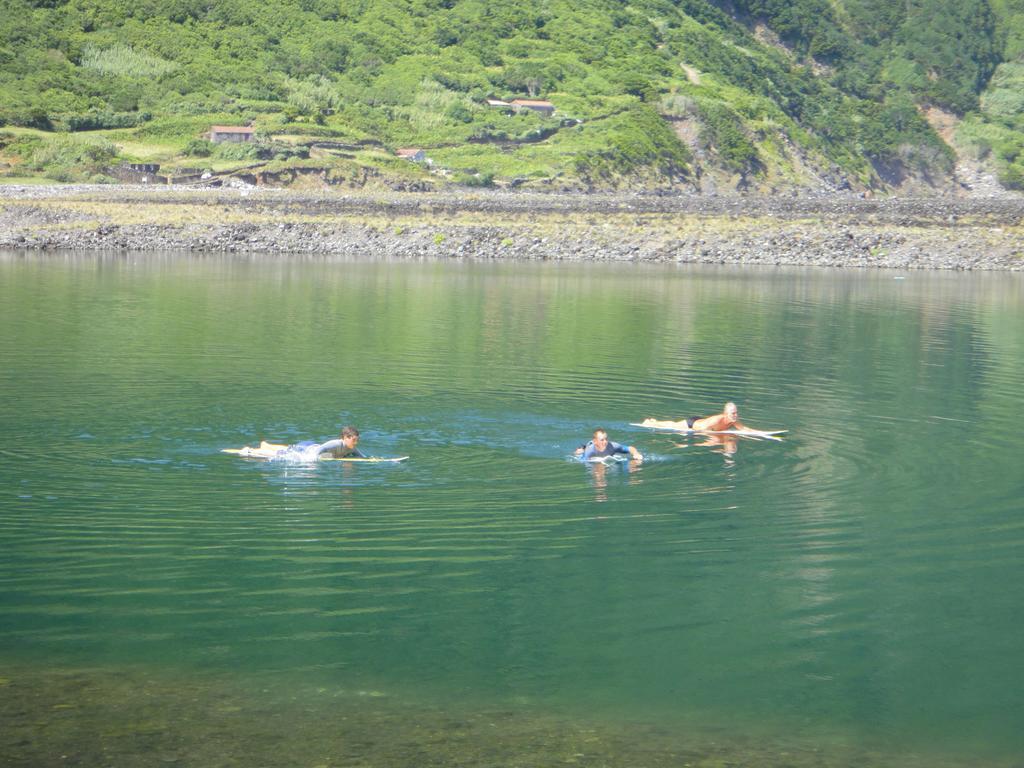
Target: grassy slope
[807, 92]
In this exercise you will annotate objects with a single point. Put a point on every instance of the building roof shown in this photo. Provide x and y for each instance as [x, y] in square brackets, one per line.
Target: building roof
[232, 129]
[532, 103]
[407, 152]
[497, 103]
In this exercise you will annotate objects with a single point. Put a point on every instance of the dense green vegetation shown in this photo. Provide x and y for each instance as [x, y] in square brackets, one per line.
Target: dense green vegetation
[648, 92]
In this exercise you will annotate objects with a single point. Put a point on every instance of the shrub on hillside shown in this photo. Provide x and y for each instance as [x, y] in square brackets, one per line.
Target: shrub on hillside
[68, 158]
[23, 146]
[1012, 176]
[634, 141]
[886, 130]
[199, 148]
[259, 150]
[243, 151]
[26, 117]
[722, 131]
[475, 179]
[97, 120]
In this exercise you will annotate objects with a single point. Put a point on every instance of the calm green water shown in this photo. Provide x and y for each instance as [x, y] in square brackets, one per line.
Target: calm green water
[852, 593]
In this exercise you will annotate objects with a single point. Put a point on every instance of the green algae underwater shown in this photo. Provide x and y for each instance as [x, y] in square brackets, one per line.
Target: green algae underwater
[845, 597]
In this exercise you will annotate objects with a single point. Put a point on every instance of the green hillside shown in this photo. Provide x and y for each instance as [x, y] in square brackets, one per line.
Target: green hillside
[651, 94]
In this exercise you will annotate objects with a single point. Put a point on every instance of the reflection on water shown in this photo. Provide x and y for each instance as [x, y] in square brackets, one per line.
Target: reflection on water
[625, 471]
[838, 598]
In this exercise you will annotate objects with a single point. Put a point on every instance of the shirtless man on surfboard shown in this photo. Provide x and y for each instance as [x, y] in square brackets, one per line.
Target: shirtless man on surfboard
[728, 419]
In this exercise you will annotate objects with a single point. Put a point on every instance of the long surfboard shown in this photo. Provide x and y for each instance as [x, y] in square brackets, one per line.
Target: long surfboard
[756, 433]
[264, 453]
[369, 459]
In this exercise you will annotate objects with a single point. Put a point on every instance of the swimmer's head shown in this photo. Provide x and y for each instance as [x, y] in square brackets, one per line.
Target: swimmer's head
[350, 436]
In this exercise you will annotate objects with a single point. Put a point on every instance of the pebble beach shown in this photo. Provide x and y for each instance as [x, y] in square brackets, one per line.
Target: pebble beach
[950, 233]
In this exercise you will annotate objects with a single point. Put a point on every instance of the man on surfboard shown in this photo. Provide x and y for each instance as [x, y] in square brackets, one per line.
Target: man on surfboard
[343, 447]
[600, 446]
[720, 422]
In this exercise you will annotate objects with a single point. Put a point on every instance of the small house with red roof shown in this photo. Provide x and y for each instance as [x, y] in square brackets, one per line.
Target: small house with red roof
[415, 155]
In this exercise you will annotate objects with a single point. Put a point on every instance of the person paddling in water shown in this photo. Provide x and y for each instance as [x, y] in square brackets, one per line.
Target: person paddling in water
[600, 447]
[343, 447]
[728, 419]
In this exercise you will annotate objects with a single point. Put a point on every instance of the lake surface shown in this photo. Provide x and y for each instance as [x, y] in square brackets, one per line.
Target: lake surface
[848, 596]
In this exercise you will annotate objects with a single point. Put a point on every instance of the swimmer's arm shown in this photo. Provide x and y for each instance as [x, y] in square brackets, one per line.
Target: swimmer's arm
[330, 445]
[633, 452]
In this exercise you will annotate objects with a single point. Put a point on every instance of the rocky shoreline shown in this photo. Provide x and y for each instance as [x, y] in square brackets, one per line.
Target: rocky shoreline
[830, 231]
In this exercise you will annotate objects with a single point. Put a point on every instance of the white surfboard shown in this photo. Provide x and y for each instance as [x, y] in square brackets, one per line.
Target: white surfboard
[270, 451]
[613, 459]
[368, 459]
[755, 433]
